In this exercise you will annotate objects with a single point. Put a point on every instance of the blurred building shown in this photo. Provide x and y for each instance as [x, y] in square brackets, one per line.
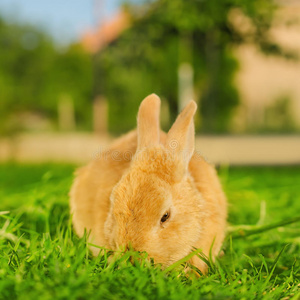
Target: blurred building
[106, 33]
[270, 86]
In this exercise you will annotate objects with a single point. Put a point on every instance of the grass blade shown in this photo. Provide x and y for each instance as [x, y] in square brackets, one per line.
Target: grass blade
[244, 232]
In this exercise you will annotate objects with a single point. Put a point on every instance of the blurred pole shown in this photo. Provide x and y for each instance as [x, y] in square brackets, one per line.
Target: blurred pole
[185, 70]
[66, 117]
[185, 84]
[100, 110]
[100, 115]
[98, 12]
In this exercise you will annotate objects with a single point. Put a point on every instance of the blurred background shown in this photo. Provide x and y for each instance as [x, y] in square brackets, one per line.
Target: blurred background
[73, 73]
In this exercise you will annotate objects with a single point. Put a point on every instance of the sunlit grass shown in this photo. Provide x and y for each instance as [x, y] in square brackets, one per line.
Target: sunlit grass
[42, 258]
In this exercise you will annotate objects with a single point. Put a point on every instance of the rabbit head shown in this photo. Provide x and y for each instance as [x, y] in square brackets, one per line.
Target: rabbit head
[155, 207]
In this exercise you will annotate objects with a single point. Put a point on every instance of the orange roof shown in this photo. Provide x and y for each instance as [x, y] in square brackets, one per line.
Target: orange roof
[106, 33]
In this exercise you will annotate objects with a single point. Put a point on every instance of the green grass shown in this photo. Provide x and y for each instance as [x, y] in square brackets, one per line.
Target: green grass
[41, 257]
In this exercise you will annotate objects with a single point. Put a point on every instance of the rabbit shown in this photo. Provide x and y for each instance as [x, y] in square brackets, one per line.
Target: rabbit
[151, 191]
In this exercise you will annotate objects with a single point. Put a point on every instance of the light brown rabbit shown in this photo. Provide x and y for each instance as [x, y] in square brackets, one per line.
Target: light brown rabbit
[151, 191]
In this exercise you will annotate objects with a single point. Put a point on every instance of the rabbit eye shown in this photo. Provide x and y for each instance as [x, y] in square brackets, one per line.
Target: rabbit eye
[165, 217]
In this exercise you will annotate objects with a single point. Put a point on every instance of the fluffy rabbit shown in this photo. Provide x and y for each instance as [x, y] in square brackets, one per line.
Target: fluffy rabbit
[151, 191]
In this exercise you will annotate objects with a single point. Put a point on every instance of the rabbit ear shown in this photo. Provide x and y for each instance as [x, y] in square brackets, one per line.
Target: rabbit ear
[148, 122]
[181, 136]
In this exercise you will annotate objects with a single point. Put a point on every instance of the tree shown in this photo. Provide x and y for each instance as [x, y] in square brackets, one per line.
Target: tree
[165, 33]
[34, 72]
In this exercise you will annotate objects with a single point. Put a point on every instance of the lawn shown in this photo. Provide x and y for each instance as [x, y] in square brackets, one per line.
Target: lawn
[41, 257]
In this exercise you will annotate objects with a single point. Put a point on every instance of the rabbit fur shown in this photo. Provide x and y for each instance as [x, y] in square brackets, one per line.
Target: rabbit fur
[152, 191]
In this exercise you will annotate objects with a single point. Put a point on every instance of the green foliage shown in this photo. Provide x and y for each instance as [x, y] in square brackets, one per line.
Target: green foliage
[34, 74]
[138, 64]
[166, 33]
[41, 258]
